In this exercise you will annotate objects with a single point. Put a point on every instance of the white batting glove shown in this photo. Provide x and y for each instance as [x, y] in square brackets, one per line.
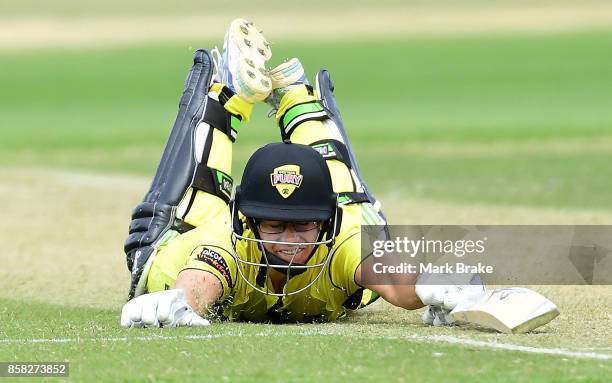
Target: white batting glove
[437, 316]
[446, 291]
[160, 309]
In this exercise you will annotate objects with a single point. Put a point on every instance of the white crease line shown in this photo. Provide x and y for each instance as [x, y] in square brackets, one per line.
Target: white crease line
[116, 339]
[418, 338]
[509, 347]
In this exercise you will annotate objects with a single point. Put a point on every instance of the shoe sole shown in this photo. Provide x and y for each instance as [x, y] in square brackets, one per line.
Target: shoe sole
[249, 50]
[286, 73]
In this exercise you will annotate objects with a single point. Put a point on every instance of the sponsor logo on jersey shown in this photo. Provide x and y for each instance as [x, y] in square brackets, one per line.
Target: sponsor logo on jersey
[215, 260]
[286, 179]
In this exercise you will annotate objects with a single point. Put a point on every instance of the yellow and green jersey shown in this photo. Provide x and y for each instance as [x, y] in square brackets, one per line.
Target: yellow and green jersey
[211, 251]
[208, 246]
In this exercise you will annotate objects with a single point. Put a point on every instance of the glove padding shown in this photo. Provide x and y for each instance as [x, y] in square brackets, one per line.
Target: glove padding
[160, 309]
[444, 292]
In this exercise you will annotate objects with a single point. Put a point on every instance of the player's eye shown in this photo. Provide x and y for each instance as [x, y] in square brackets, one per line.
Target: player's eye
[305, 226]
[273, 227]
[277, 227]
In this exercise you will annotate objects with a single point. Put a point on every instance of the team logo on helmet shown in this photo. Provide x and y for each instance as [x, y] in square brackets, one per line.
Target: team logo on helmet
[286, 179]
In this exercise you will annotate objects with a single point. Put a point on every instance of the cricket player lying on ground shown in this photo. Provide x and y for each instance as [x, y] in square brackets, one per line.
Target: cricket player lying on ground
[286, 247]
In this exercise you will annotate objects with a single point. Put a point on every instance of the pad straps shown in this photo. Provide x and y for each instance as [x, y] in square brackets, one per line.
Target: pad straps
[213, 181]
[347, 198]
[219, 118]
[331, 149]
[299, 113]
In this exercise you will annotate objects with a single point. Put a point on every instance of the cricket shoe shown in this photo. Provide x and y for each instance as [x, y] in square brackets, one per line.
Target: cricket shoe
[285, 77]
[242, 64]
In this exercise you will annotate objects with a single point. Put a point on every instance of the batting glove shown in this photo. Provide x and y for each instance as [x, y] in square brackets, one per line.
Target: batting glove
[160, 309]
[437, 316]
[446, 291]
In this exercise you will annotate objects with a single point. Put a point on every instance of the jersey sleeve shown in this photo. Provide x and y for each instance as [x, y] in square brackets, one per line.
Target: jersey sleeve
[346, 258]
[217, 261]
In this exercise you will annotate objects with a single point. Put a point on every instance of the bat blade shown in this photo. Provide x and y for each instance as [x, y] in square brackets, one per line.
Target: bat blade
[512, 310]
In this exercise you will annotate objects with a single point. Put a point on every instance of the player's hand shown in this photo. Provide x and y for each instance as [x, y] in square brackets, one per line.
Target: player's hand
[446, 291]
[160, 309]
[437, 316]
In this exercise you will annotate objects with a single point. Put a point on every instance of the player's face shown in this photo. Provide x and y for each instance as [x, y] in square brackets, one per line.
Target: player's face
[307, 231]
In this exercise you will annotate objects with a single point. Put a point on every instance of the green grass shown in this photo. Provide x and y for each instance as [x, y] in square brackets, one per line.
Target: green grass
[248, 352]
[500, 120]
[110, 109]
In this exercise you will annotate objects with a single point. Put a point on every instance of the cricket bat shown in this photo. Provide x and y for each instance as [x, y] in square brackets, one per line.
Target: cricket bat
[514, 310]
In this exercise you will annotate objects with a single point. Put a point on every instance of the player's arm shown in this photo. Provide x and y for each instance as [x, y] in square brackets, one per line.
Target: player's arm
[186, 305]
[202, 289]
[440, 292]
[346, 273]
[207, 277]
[410, 291]
[400, 292]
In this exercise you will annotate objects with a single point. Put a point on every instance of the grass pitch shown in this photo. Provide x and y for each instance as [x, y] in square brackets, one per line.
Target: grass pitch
[477, 129]
[513, 120]
[370, 346]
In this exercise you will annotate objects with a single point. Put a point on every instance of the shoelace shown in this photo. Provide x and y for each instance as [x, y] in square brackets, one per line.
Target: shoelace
[272, 112]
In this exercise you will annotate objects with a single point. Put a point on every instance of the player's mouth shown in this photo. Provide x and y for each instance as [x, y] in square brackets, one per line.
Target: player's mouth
[290, 253]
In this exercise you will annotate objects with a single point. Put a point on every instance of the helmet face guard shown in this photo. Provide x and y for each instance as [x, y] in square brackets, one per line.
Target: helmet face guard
[269, 260]
[289, 183]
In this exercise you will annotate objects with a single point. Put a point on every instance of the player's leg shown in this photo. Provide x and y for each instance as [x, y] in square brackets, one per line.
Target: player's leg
[193, 183]
[310, 116]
